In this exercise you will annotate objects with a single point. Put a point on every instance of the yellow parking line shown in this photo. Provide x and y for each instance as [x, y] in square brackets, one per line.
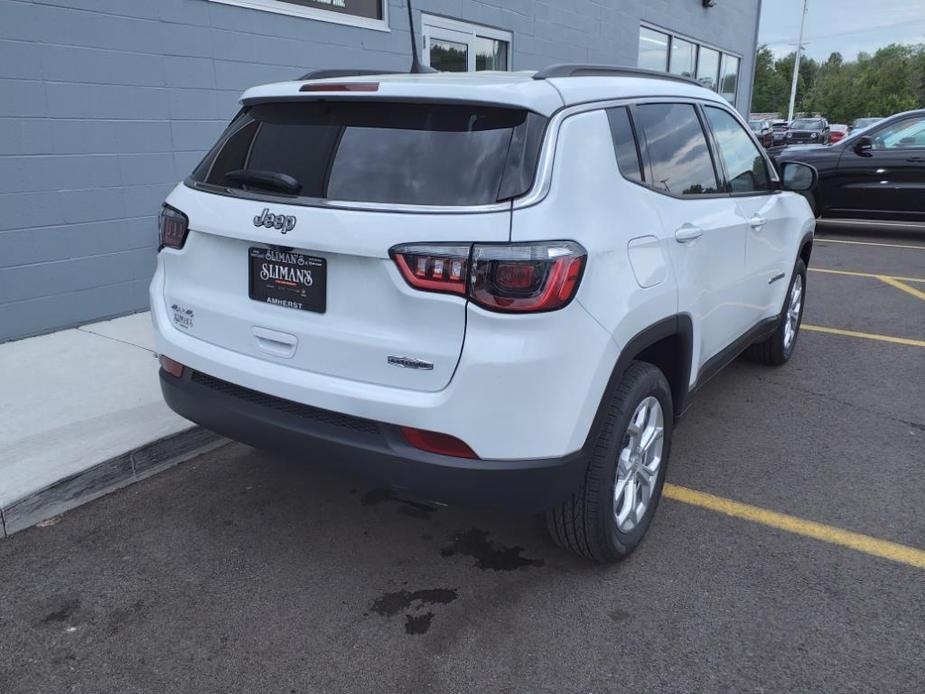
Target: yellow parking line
[866, 274]
[817, 531]
[866, 336]
[894, 282]
[822, 239]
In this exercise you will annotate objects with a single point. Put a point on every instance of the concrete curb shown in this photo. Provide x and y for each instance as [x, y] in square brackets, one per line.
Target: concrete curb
[105, 477]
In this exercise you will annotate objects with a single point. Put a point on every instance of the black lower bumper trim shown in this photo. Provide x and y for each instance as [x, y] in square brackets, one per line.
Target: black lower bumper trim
[374, 449]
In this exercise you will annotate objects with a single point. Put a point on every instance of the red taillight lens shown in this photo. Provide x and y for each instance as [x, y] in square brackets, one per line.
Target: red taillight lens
[173, 226]
[434, 442]
[514, 277]
[434, 268]
[174, 368]
[526, 278]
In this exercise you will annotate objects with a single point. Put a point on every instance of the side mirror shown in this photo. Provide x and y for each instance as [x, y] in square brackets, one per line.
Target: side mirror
[798, 177]
[863, 146]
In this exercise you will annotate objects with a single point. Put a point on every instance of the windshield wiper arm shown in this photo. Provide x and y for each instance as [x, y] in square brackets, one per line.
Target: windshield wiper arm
[272, 180]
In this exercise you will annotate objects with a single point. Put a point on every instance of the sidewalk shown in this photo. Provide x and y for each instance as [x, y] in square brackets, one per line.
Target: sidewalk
[79, 412]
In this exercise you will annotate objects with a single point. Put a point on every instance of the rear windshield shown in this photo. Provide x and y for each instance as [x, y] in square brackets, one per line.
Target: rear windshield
[421, 154]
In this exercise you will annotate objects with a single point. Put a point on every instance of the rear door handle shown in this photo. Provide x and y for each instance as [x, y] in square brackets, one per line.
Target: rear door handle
[757, 222]
[688, 233]
[915, 160]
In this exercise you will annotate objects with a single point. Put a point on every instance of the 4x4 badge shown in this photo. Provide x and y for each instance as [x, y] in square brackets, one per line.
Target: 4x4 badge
[275, 221]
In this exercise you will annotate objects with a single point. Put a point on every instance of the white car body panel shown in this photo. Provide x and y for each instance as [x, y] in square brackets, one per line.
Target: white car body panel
[512, 387]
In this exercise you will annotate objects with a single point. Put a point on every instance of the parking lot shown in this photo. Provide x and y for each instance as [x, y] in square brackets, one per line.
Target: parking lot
[789, 554]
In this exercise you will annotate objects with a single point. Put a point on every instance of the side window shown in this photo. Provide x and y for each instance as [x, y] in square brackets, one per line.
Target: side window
[677, 148]
[907, 134]
[624, 143]
[744, 163]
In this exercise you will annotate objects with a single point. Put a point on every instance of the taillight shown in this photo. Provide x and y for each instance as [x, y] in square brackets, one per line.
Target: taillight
[434, 268]
[512, 278]
[173, 226]
[525, 278]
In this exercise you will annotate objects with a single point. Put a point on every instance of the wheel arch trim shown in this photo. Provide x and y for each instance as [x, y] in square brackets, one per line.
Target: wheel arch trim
[678, 326]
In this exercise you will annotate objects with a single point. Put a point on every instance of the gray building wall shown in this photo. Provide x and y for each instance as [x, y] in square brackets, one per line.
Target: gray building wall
[106, 104]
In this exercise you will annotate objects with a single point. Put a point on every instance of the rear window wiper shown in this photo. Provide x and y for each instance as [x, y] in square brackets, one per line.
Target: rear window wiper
[268, 180]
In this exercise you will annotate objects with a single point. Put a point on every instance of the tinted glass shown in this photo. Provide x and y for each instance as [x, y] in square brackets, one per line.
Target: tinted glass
[624, 143]
[729, 82]
[708, 68]
[449, 56]
[907, 134]
[490, 54]
[744, 163]
[683, 57]
[360, 8]
[435, 154]
[677, 149]
[653, 49]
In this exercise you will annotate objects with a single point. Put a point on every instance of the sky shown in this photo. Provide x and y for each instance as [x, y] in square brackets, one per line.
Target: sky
[846, 26]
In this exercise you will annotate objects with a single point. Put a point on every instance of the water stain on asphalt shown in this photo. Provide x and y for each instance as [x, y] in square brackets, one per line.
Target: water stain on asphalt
[488, 554]
[413, 602]
[391, 604]
[418, 625]
[415, 509]
[619, 615]
[68, 607]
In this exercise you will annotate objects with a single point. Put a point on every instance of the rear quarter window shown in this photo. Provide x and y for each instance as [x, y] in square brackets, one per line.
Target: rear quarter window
[624, 143]
[424, 154]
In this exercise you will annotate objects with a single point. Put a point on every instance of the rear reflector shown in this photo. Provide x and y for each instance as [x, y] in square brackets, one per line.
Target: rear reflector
[341, 87]
[441, 444]
[174, 368]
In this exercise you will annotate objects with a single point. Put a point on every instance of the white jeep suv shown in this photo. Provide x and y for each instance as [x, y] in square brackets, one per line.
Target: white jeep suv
[494, 288]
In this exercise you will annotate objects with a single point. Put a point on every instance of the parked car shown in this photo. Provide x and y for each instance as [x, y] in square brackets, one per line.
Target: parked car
[763, 131]
[780, 128]
[862, 123]
[877, 173]
[808, 131]
[363, 273]
[837, 133]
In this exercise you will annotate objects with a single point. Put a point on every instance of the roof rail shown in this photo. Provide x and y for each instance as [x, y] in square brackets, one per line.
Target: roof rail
[575, 70]
[334, 74]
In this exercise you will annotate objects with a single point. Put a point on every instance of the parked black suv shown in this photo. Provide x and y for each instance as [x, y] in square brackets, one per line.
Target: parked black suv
[812, 131]
[875, 174]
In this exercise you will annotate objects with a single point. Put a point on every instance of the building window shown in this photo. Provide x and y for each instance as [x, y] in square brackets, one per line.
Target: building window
[369, 14]
[653, 49]
[683, 57]
[454, 46]
[729, 82]
[708, 68]
[680, 55]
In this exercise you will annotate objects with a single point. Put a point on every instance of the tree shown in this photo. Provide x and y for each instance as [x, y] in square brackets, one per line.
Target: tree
[890, 81]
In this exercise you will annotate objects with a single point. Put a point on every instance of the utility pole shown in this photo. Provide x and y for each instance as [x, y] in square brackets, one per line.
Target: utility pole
[796, 63]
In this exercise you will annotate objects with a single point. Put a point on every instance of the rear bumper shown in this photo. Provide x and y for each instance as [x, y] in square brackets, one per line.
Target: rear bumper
[374, 449]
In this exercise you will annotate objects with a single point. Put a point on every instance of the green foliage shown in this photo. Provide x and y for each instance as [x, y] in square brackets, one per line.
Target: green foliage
[890, 81]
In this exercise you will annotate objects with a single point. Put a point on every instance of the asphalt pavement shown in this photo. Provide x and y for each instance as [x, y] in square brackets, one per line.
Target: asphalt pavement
[243, 572]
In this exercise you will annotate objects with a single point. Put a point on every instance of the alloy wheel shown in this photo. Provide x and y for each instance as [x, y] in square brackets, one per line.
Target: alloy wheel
[639, 464]
[794, 306]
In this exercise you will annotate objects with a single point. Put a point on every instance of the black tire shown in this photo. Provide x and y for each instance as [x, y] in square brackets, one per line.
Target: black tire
[585, 523]
[775, 351]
